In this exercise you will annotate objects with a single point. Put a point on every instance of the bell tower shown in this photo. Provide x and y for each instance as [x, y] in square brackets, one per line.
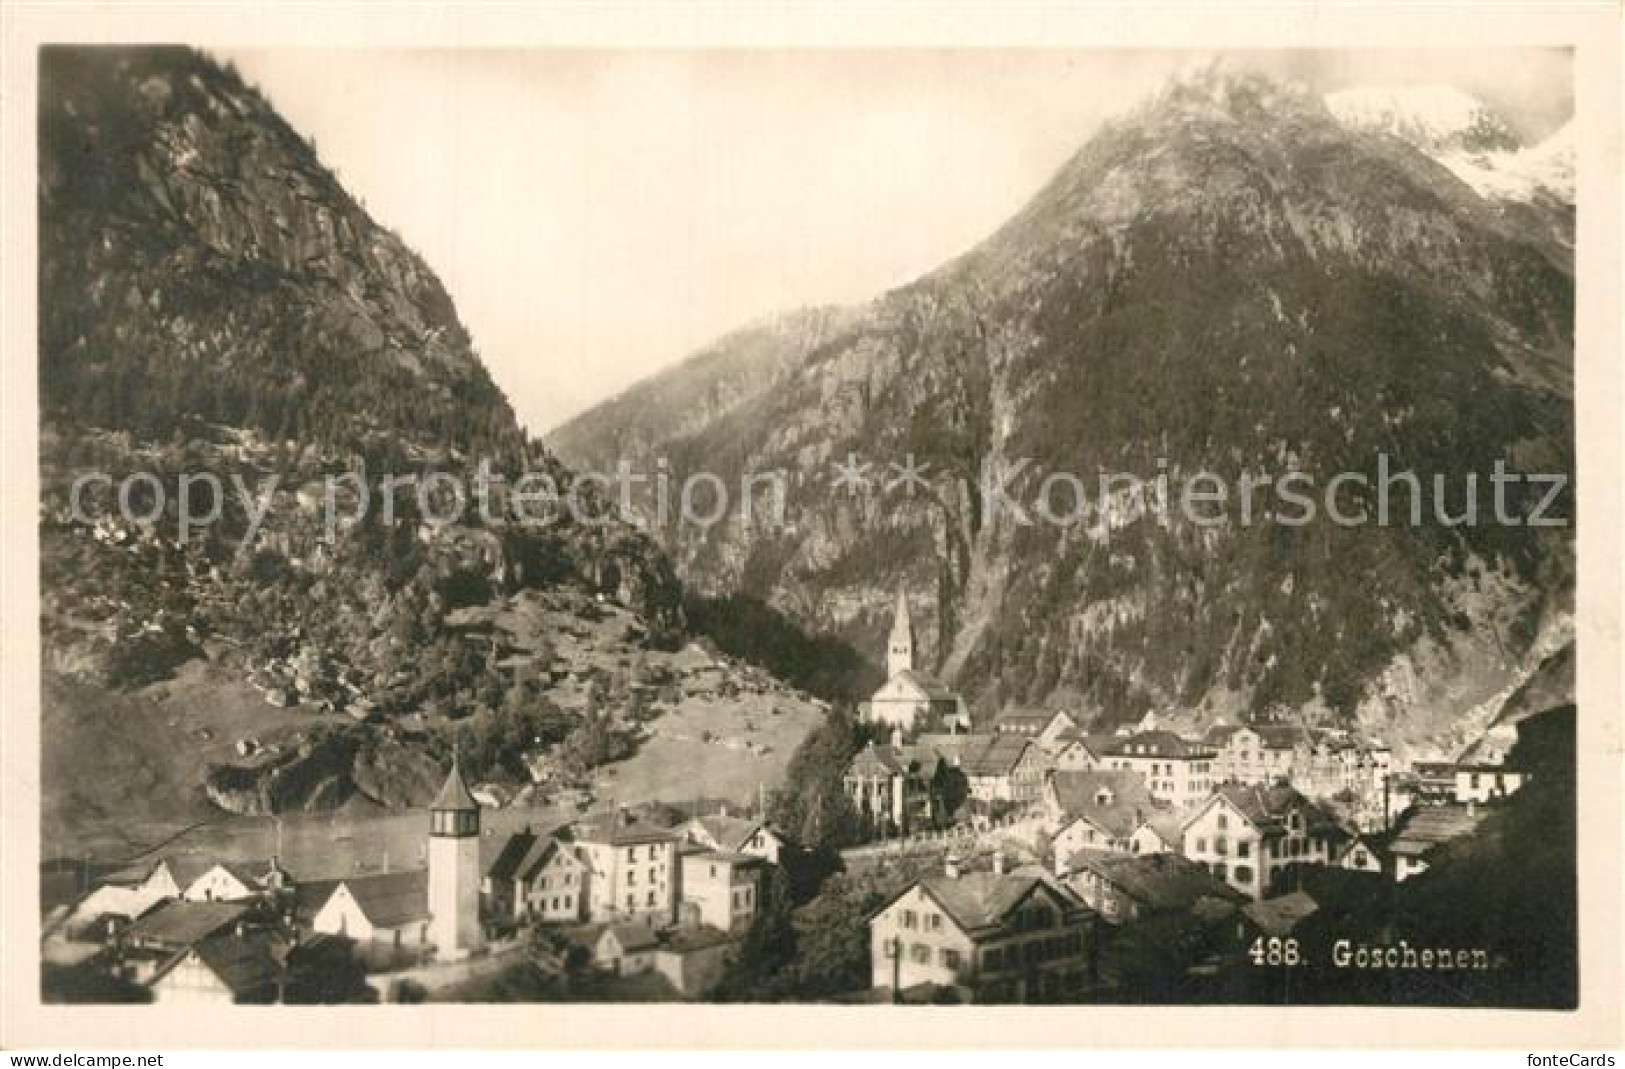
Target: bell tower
[454, 869]
[900, 647]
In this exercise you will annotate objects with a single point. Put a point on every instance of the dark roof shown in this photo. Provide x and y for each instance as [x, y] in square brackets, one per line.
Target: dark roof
[183, 868]
[1431, 826]
[1267, 808]
[688, 940]
[1219, 734]
[391, 899]
[875, 760]
[1278, 916]
[981, 900]
[1076, 791]
[181, 923]
[506, 865]
[1156, 881]
[309, 896]
[622, 829]
[454, 792]
[998, 756]
[246, 964]
[1158, 744]
[1283, 736]
[633, 937]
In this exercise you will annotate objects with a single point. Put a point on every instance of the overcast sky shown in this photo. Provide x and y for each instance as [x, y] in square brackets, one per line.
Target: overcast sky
[599, 215]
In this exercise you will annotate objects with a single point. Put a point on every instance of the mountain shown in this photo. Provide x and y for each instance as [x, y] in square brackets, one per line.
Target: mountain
[1229, 279]
[1434, 118]
[213, 303]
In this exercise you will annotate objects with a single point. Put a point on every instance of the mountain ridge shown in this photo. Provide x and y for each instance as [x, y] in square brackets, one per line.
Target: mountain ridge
[1226, 277]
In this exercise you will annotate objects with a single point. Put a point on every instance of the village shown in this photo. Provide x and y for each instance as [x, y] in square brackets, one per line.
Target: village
[1022, 847]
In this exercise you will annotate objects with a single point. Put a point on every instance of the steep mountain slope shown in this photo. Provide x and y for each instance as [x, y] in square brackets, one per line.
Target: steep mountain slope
[213, 303]
[1227, 280]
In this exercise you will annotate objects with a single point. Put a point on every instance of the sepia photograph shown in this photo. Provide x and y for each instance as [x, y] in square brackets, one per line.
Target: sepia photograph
[902, 530]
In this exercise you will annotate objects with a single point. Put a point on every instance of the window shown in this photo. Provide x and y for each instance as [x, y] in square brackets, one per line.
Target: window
[1219, 870]
[651, 898]
[1224, 822]
[653, 876]
[950, 959]
[1201, 846]
[993, 960]
[1243, 848]
[933, 922]
[566, 901]
[651, 852]
[631, 853]
[1221, 846]
[631, 877]
[631, 901]
[920, 953]
[909, 919]
[1244, 874]
[713, 870]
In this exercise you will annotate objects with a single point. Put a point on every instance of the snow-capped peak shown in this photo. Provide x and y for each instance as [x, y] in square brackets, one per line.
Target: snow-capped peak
[1434, 118]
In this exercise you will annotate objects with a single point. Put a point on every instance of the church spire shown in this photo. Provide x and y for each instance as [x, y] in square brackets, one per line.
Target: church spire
[900, 647]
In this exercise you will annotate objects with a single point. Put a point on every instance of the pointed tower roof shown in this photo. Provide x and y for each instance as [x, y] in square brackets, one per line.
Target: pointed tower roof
[902, 626]
[454, 792]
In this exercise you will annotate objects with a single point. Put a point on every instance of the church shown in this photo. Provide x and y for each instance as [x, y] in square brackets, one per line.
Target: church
[911, 699]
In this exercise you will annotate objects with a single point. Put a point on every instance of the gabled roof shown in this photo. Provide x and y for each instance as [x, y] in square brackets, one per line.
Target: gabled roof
[184, 869]
[1219, 734]
[997, 756]
[245, 964]
[1097, 743]
[181, 924]
[391, 899]
[1156, 881]
[1078, 793]
[454, 793]
[1266, 808]
[1283, 736]
[978, 901]
[507, 862]
[621, 828]
[729, 833]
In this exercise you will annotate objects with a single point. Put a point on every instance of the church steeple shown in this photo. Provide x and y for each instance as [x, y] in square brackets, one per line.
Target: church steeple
[454, 812]
[900, 647]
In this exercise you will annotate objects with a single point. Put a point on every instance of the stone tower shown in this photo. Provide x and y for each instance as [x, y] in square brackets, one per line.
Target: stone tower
[900, 647]
[454, 869]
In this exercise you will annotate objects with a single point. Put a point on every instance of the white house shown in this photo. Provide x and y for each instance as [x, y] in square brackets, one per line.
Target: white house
[386, 907]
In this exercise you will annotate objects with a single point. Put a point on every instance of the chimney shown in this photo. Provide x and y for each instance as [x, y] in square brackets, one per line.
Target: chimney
[722, 810]
[950, 866]
[1472, 808]
[998, 862]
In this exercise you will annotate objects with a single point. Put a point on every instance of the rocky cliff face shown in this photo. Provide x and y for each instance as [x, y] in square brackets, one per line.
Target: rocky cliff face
[212, 301]
[1228, 280]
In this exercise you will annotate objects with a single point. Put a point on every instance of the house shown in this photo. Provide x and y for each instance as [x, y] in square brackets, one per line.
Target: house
[389, 908]
[721, 890]
[910, 697]
[1093, 810]
[156, 937]
[1176, 770]
[1424, 830]
[1249, 835]
[1481, 782]
[1076, 751]
[1363, 853]
[1128, 887]
[169, 877]
[630, 868]
[1161, 832]
[996, 936]
[1004, 768]
[1045, 727]
[535, 878]
[224, 882]
[626, 949]
[110, 907]
[222, 970]
[738, 835]
[1239, 753]
[900, 788]
[693, 960]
